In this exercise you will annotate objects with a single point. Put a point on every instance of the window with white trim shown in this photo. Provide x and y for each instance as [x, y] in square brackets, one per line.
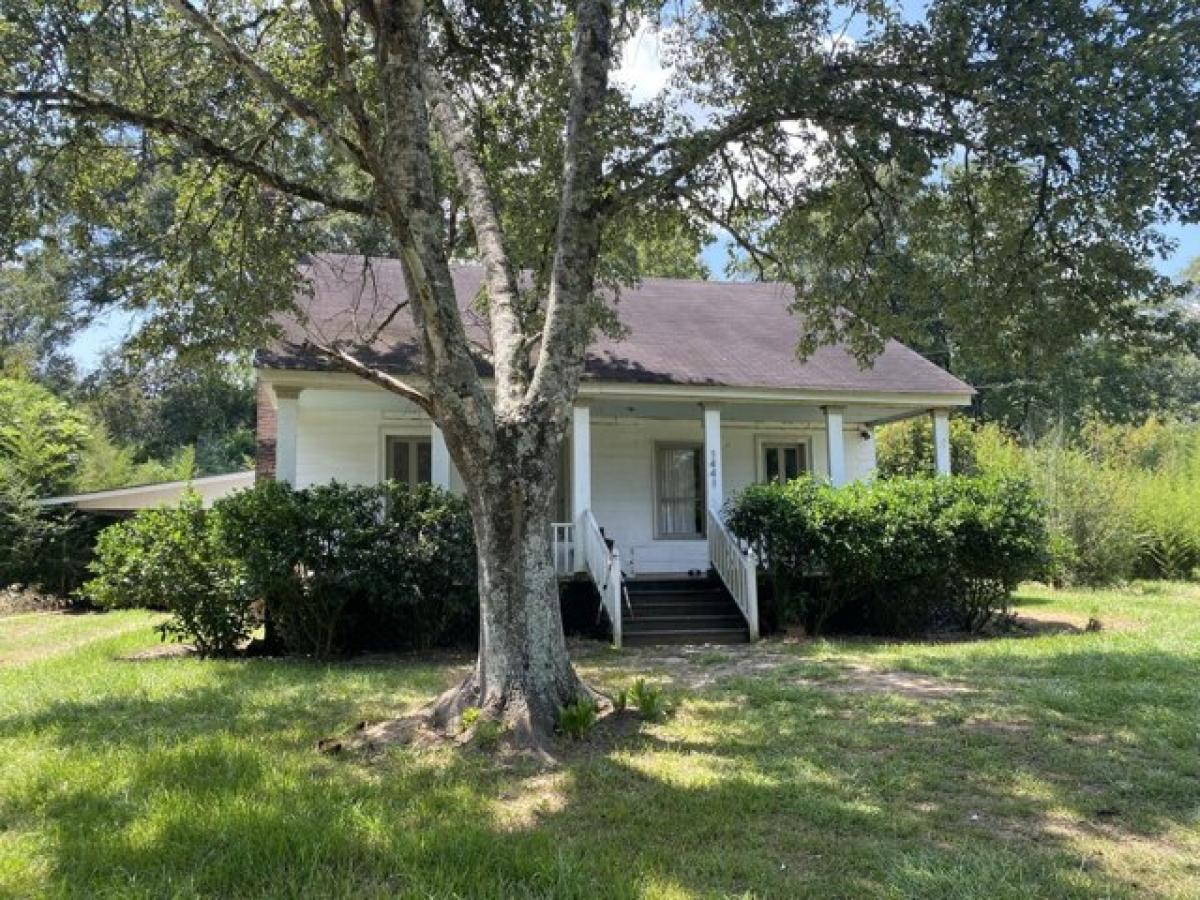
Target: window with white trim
[781, 462]
[679, 491]
[409, 459]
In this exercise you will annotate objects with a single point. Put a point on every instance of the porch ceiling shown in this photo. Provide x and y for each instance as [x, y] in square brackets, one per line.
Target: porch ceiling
[327, 390]
[798, 413]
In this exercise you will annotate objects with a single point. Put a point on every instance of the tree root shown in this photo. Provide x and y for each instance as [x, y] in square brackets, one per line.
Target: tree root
[507, 722]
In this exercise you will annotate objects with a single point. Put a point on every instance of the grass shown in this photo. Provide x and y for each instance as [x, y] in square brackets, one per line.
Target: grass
[1061, 765]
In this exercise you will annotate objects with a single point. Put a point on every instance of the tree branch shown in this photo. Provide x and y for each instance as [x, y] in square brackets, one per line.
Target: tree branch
[334, 34]
[572, 275]
[274, 88]
[415, 212]
[510, 357]
[630, 182]
[388, 382]
[756, 253]
[82, 105]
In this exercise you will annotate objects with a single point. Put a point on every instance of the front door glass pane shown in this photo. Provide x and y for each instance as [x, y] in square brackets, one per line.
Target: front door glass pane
[680, 484]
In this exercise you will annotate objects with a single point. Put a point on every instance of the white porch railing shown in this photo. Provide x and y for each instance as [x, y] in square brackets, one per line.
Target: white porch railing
[737, 568]
[604, 567]
[562, 538]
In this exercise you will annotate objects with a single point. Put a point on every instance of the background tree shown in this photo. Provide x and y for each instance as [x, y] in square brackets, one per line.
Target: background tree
[158, 408]
[196, 152]
[37, 319]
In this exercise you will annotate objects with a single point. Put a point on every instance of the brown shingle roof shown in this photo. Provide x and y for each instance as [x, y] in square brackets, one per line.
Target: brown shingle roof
[733, 334]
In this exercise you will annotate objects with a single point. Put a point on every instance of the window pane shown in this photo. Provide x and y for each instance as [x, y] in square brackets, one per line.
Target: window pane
[772, 463]
[409, 460]
[791, 460]
[399, 470]
[424, 462]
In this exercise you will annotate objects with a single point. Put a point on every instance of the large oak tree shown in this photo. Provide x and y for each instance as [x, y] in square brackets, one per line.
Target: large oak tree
[191, 151]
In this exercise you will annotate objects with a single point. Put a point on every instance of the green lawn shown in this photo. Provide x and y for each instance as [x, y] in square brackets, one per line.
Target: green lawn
[1065, 765]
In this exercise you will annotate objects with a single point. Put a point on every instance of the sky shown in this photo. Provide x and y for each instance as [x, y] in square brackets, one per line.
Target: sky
[643, 74]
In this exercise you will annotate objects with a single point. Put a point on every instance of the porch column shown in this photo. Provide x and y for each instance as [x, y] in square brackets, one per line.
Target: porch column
[581, 460]
[835, 444]
[714, 483]
[439, 458]
[287, 402]
[941, 440]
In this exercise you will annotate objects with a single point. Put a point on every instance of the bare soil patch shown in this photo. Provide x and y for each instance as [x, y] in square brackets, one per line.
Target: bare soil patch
[17, 599]
[161, 651]
[703, 666]
[859, 678]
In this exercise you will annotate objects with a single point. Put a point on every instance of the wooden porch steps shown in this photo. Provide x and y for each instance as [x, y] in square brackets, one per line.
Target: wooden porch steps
[681, 611]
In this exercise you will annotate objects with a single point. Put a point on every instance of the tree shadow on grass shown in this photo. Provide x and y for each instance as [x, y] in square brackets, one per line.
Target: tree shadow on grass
[759, 786]
[265, 696]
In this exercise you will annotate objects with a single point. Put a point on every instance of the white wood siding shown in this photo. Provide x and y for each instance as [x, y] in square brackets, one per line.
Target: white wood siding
[340, 435]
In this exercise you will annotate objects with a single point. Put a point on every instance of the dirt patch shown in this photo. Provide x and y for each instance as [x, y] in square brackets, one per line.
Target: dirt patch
[161, 651]
[523, 806]
[700, 667]
[16, 599]
[858, 678]
[1038, 622]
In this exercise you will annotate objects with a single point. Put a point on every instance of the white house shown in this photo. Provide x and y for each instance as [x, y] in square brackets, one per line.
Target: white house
[702, 396]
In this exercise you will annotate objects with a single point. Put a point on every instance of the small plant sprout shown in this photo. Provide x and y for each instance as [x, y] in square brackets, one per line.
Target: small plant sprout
[576, 719]
[620, 700]
[649, 700]
[469, 717]
[487, 732]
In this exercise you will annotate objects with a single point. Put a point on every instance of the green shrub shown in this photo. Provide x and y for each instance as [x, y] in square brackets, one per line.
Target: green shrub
[1166, 513]
[333, 569]
[905, 449]
[342, 569]
[1123, 501]
[895, 555]
[308, 557]
[576, 720]
[649, 699]
[44, 548]
[487, 732]
[42, 439]
[171, 559]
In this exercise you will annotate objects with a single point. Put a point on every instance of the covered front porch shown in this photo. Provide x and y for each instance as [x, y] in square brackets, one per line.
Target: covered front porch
[645, 470]
[645, 482]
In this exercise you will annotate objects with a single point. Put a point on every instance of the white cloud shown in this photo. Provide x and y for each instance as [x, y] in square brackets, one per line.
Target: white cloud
[642, 73]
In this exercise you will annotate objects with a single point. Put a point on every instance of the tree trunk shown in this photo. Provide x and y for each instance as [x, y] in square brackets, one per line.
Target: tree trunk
[523, 675]
[505, 441]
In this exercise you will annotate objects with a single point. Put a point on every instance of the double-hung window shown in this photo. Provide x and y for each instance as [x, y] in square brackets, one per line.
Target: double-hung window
[409, 460]
[781, 462]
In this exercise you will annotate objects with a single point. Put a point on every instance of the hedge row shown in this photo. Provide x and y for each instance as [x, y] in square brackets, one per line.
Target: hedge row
[333, 569]
[894, 556]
